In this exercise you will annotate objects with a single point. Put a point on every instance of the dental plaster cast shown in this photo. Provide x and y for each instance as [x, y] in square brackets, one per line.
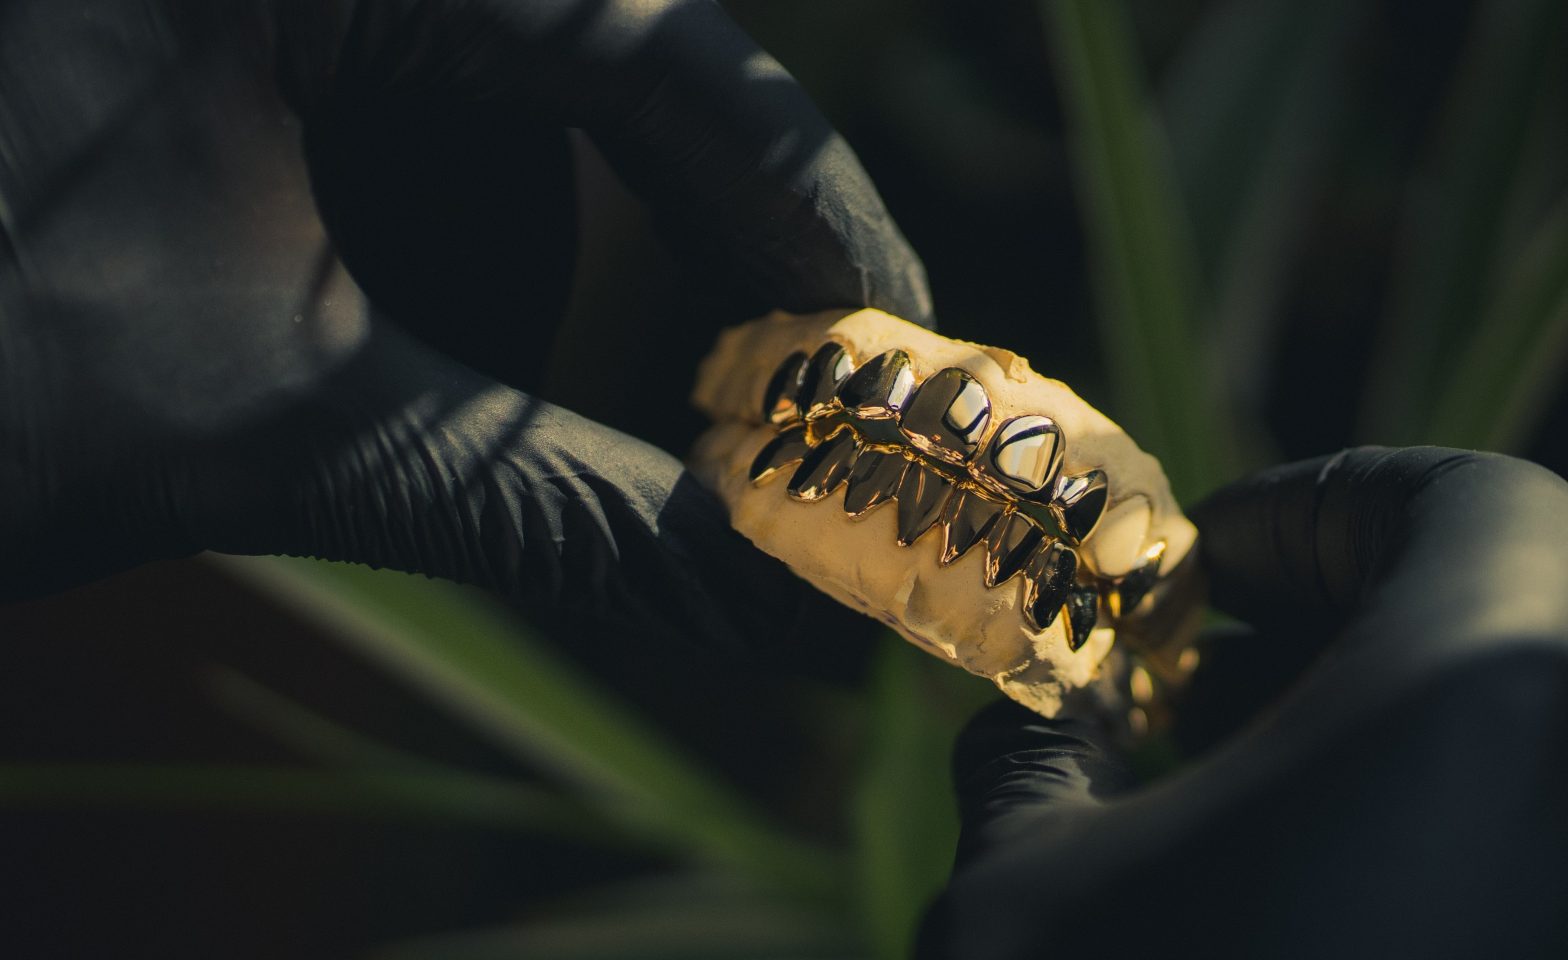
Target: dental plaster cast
[985, 512]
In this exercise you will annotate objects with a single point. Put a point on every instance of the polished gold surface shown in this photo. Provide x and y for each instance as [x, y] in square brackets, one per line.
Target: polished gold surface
[931, 448]
[820, 379]
[922, 494]
[825, 467]
[947, 416]
[965, 522]
[880, 389]
[1023, 457]
[1008, 548]
[780, 401]
[787, 448]
[874, 479]
[1050, 575]
[1079, 503]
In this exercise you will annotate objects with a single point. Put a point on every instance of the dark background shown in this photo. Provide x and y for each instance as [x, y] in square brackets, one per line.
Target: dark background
[955, 110]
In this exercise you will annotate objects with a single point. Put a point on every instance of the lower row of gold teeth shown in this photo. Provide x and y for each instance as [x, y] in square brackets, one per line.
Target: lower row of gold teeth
[876, 432]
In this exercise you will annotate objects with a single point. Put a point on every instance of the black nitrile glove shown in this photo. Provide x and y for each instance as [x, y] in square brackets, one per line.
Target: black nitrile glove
[185, 363]
[1407, 793]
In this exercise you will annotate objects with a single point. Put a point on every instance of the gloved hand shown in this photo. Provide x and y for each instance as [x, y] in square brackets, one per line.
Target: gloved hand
[185, 363]
[1405, 795]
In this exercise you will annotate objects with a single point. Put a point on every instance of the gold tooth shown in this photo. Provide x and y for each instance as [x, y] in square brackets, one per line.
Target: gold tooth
[922, 495]
[1022, 457]
[965, 520]
[1048, 577]
[1131, 587]
[1013, 539]
[1079, 503]
[781, 398]
[874, 479]
[820, 379]
[786, 447]
[824, 467]
[1083, 611]
[947, 416]
[880, 389]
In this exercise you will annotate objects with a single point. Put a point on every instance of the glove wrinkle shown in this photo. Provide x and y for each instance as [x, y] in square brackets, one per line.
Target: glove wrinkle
[273, 185]
[1403, 795]
[454, 476]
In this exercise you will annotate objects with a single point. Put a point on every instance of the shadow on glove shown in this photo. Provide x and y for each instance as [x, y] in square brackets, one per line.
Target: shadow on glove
[1402, 796]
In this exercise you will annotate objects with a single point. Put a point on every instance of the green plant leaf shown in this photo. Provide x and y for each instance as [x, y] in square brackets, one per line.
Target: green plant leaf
[304, 730]
[459, 646]
[1517, 352]
[1143, 265]
[1456, 215]
[906, 822]
[663, 918]
[1249, 105]
[252, 788]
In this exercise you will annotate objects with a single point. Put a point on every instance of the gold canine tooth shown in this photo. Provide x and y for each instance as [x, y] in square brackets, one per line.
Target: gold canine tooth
[1048, 578]
[1083, 611]
[1131, 587]
[1079, 503]
[787, 446]
[880, 389]
[965, 520]
[824, 467]
[1013, 539]
[921, 496]
[780, 403]
[820, 379]
[947, 416]
[874, 479]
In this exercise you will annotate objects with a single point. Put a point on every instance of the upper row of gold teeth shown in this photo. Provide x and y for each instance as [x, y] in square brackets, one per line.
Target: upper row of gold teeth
[883, 436]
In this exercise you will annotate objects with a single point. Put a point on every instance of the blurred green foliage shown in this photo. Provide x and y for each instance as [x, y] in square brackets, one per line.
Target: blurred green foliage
[1190, 192]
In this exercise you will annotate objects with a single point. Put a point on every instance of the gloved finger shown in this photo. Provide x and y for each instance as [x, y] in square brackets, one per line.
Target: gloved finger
[447, 210]
[1010, 760]
[718, 138]
[1407, 544]
[1441, 574]
[1240, 673]
[406, 460]
[1023, 782]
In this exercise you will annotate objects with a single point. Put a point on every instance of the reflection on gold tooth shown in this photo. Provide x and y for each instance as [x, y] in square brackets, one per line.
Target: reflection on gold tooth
[965, 520]
[874, 479]
[1083, 611]
[820, 379]
[1131, 587]
[819, 390]
[824, 467]
[1080, 503]
[780, 400]
[1023, 457]
[1047, 579]
[947, 416]
[880, 389]
[788, 447]
[922, 495]
[1012, 541]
